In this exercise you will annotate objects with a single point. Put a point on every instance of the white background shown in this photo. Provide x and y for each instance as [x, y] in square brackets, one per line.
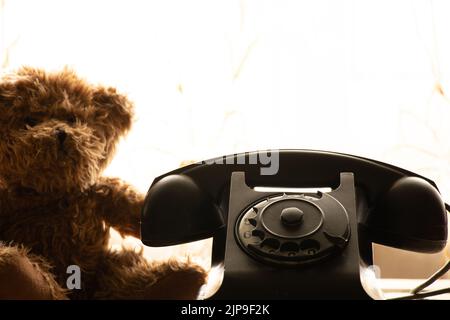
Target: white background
[218, 77]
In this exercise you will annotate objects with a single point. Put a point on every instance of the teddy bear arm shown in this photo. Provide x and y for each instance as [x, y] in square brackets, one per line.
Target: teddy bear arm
[120, 206]
[128, 275]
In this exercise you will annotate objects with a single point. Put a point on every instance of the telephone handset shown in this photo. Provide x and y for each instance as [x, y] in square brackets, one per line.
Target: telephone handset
[291, 244]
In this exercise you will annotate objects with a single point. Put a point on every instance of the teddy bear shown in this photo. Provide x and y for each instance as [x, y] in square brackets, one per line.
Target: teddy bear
[57, 133]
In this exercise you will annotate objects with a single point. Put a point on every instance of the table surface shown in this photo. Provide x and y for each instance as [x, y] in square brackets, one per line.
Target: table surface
[393, 288]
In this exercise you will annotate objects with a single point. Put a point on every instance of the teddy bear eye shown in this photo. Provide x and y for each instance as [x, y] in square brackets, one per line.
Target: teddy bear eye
[30, 121]
[71, 120]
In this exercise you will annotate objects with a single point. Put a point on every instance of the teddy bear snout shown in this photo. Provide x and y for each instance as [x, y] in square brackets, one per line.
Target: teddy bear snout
[61, 135]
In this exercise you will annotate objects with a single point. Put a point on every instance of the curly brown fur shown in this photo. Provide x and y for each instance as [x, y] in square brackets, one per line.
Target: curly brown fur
[57, 134]
[57, 122]
[141, 279]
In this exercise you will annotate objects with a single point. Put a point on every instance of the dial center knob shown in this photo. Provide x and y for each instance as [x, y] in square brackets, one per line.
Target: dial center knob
[291, 216]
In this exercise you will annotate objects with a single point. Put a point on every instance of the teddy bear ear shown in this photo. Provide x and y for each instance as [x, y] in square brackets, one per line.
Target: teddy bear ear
[15, 85]
[7, 93]
[112, 110]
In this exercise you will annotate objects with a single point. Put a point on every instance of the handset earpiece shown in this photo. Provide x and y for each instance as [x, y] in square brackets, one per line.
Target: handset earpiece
[410, 215]
[176, 210]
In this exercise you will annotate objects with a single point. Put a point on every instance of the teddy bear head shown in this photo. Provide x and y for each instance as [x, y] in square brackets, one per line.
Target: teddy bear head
[57, 132]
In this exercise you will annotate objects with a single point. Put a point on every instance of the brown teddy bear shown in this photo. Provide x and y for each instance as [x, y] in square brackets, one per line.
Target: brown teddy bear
[57, 134]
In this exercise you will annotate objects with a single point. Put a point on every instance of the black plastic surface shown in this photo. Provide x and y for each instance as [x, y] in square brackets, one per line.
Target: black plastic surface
[176, 210]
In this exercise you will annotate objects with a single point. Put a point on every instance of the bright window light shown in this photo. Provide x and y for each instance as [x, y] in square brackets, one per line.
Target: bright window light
[218, 77]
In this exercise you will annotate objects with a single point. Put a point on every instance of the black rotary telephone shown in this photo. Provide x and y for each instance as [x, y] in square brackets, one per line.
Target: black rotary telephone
[285, 245]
